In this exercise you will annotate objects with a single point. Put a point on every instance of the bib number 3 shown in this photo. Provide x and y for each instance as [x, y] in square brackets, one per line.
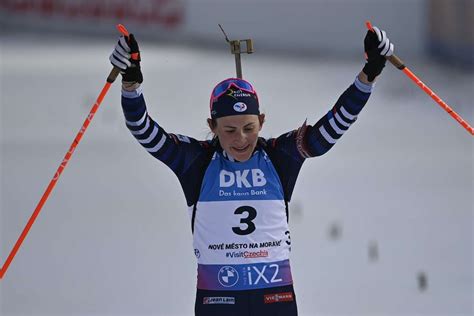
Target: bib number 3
[250, 226]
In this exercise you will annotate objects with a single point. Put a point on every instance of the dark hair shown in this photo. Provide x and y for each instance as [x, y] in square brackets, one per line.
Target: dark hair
[213, 122]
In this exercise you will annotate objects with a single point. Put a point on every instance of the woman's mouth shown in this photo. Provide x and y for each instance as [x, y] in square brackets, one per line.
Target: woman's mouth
[241, 149]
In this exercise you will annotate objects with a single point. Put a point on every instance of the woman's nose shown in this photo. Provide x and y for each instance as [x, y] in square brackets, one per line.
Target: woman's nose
[240, 136]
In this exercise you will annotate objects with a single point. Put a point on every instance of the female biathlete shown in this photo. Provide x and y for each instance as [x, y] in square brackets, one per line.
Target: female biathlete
[238, 185]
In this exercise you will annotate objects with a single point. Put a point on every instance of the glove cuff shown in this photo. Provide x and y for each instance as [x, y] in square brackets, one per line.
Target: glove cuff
[373, 68]
[133, 73]
[130, 86]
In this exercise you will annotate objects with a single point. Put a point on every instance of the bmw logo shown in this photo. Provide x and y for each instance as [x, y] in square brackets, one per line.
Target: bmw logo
[228, 276]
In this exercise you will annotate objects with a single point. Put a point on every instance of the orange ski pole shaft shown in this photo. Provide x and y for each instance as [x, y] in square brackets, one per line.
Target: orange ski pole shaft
[397, 62]
[110, 79]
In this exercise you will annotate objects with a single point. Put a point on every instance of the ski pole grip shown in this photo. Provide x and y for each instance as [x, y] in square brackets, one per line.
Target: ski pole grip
[113, 74]
[394, 60]
[397, 62]
[116, 71]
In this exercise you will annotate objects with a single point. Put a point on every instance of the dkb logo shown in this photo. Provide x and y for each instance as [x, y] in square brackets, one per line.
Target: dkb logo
[229, 178]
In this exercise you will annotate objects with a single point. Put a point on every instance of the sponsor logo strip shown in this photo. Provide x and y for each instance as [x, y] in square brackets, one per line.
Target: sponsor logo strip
[244, 276]
[278, 297]
[218, 300]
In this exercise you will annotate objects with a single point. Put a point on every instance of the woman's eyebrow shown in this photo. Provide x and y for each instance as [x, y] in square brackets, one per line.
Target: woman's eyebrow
[246, 125]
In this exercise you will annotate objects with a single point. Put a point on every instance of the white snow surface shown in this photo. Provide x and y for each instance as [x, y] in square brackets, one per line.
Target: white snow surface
[114, 237]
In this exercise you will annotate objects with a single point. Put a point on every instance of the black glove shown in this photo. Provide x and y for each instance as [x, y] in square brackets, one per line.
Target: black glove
[377, 46]
[126, 56]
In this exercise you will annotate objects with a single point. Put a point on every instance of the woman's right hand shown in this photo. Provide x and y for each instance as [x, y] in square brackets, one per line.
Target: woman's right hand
[126, 57]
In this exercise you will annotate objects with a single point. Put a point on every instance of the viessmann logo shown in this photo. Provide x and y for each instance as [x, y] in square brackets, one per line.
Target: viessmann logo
[278, 297]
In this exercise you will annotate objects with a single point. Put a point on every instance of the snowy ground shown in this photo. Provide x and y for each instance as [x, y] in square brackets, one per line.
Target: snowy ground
[114, 237]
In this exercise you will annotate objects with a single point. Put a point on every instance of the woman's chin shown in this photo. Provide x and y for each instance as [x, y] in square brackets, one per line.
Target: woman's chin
[241, 155]
[242, 158]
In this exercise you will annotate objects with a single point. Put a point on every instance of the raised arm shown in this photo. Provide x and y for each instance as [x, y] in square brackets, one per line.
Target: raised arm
[180, 153]
[322, 136]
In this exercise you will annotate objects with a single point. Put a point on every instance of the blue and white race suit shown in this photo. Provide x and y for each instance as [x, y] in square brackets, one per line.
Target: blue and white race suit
[239, 210]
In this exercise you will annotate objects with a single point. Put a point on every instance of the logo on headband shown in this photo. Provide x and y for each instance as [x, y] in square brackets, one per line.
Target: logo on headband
[238, 94]
[240, 107]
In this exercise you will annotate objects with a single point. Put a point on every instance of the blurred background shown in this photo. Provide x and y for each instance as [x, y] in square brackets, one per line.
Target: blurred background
[381, 225]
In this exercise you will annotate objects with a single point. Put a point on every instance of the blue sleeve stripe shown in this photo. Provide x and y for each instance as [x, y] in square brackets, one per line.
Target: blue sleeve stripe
[332, 126]
[137, 122]
[341, 121]
[333, 121]
[353, 100]
[158, 146]
[318, 134]
[146, 134]
[363, 87]
[132, 94]
[330, 139]
[141, 130]
[152, 136]
[348, 115]
[152, 141]
[137, 128]
[336, 128]
[338, 124]
[331, 131]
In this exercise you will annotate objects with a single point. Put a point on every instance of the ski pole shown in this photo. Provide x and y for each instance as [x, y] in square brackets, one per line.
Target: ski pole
[397, 62]
[110, 79]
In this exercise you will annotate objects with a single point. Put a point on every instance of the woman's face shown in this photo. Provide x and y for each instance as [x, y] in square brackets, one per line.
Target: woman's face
[238, 134]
